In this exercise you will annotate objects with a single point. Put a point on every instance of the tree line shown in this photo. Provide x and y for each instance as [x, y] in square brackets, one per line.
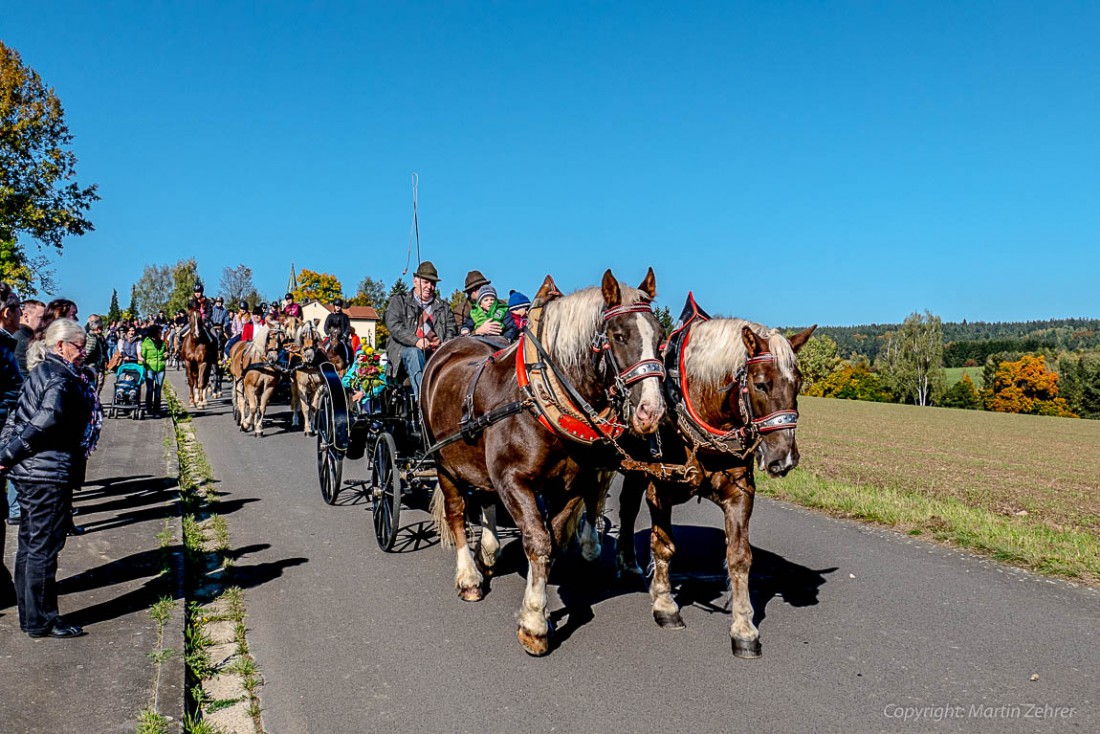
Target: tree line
[1040, 369]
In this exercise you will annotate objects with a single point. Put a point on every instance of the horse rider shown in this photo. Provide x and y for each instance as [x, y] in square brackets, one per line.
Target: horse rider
[419, 322]
[200, 301]
[247, 328]
[290, 308]
[219, 320]
[237, 324]
[338, 320]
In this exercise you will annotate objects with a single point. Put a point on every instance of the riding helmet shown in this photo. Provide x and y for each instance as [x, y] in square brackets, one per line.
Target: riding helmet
[198, 287]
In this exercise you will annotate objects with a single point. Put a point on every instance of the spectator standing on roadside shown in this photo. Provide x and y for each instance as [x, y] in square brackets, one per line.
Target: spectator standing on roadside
[11, 380]
[96, 356]
[30, 325]
[154, 355]
[44, 448]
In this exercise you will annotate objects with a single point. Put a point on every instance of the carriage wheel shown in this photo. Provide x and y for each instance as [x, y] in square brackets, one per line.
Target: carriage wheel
[330, 460]
[385, 491]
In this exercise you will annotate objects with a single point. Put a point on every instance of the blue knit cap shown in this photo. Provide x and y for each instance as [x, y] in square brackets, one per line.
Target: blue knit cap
[517, 300]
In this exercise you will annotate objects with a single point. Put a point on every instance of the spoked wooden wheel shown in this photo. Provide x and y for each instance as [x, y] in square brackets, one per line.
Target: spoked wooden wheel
[330, 459]
[385, 491]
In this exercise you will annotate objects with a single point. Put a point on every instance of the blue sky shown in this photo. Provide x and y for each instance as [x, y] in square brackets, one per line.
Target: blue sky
[838, 163]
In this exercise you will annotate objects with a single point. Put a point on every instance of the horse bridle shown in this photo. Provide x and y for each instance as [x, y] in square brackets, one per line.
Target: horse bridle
[640, 370]
[780, 420]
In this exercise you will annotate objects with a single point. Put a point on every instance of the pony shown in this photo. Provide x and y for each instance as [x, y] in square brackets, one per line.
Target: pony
[199, 351]
[338, 350]
[582, 338]
[306, 357]
[255, 375]
[732, 391]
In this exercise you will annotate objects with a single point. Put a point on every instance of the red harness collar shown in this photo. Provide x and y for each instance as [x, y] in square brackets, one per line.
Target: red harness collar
[566, 425]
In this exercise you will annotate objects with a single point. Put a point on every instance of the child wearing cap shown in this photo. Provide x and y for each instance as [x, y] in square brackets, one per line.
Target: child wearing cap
[490, 309]
[518, 306]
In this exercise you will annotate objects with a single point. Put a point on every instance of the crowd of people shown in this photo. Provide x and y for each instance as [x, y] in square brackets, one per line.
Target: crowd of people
[51, 418]
[52, 370]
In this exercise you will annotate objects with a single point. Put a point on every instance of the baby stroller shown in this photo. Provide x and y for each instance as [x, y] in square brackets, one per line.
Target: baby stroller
[127, 398]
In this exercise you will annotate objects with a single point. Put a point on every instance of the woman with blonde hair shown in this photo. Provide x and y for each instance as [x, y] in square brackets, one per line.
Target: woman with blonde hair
[44, 449]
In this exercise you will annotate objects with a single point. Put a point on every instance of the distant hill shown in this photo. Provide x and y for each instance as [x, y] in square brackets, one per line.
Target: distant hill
[975, 340]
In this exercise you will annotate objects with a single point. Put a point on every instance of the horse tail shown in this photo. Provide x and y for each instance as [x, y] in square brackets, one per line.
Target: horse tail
[439, 518]
[596, 497]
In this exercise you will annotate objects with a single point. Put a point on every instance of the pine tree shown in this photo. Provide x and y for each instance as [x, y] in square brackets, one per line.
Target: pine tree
[114, 313]
[132, 311]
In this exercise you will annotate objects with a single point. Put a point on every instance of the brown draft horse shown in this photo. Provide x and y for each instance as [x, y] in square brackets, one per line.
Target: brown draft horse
[199, 351]
[338, 350]
[586, 335]
[735, 398]
[306, 357]
[255, 375]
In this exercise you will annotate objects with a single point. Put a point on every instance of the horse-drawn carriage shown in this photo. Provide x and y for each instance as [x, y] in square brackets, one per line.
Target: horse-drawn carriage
[386, 428]
[575, 415]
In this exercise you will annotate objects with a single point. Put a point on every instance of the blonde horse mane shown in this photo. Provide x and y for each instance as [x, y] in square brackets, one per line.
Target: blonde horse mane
[569, 323]
[716, 350]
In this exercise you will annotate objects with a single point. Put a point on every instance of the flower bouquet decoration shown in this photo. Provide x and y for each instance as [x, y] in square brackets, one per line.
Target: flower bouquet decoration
[366, 374]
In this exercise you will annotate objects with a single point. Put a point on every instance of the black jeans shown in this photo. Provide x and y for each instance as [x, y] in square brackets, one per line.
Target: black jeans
[47, 511]
[7, 588]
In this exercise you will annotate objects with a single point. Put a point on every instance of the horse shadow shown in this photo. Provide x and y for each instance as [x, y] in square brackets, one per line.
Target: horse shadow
[700, 579]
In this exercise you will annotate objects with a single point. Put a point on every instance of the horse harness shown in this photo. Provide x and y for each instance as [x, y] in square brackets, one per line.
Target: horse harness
[548, 392]
[698, 435]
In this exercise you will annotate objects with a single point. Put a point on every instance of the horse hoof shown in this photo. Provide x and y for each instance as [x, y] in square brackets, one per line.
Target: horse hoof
[748, 649]
[534, 645]
[669, 620]
[473, 594]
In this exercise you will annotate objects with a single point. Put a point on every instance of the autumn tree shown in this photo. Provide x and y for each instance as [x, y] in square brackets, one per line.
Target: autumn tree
[1026, 386]
[40, 199]
[114, 313]
[853, 381]
[817, 360]
[236, 285]
[912, 360]
[963, 394]
[314, 286]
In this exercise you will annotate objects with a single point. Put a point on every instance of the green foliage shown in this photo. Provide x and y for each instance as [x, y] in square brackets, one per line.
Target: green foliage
[817, 360]
[184, 275]
[314, 286]
[963, 394]
[153, 288]
[114, 313]
[664, 316]
[399, 286]
[912, 360]
[456, 299]
[1079, 383]
[131, 311]
[371, 292]
[39, 196]
[853, 381]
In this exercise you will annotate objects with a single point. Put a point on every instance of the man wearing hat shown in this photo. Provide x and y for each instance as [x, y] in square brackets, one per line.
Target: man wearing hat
[338, 319]
[418, 321]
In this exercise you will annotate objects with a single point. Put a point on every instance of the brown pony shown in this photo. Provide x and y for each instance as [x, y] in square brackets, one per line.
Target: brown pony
[199, 351]
[586, 335]
[733, 396]
[338, 350]
[255, 375]
[306, 381]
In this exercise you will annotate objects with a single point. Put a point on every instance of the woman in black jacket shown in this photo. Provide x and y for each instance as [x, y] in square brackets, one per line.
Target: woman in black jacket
[44, 448]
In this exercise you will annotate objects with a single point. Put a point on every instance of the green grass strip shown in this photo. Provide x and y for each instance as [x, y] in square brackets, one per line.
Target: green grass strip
[1020, 541]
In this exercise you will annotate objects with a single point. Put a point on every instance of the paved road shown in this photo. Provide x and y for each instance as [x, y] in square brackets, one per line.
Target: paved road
[859, 626]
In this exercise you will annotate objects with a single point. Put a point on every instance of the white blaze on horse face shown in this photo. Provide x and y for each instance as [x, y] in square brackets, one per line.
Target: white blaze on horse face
[651, 402]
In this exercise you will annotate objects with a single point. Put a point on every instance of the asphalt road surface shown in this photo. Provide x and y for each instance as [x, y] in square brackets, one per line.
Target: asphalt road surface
[863, 630]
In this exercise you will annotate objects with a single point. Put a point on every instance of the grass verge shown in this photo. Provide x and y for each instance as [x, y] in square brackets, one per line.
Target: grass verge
[1019, 540]
[215, 646]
